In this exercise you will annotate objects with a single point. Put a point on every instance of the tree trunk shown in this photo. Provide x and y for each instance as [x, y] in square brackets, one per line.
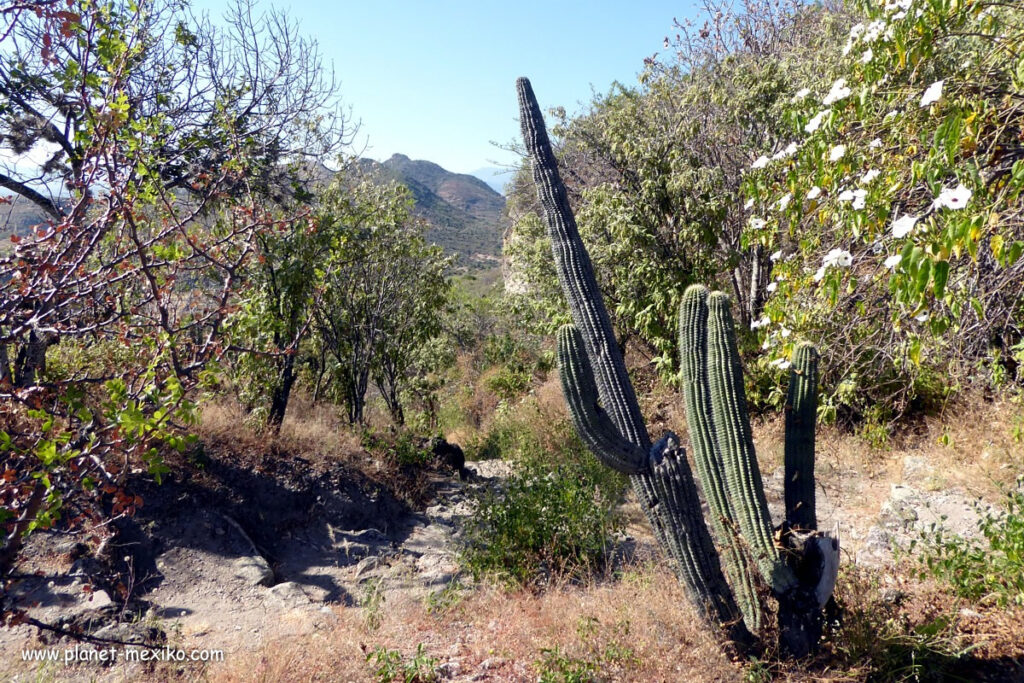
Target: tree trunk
[280, 394]
[31, 361]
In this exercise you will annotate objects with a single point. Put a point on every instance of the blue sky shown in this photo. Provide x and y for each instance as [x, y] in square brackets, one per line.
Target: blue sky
[436, 80]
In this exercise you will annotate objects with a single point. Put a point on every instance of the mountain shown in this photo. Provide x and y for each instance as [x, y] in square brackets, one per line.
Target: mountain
[465, 213]
[466, 216]
[496, 178]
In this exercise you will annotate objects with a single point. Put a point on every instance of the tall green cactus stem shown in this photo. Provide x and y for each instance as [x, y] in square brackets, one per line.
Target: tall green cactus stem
[693, 345]
[801, 412]
[686, 535]
[735, 443]
[576, 274]
[611, 424]
[689, 543]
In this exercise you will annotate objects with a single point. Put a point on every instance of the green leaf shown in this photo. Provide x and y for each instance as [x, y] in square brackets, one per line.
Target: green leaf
[939, 276]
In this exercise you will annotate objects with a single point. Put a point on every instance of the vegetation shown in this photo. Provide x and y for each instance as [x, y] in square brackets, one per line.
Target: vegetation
[203, 298]
[992, 571]
[554, 517]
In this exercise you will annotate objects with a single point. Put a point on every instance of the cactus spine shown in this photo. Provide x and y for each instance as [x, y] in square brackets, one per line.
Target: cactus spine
[801, 409]
[605, 412]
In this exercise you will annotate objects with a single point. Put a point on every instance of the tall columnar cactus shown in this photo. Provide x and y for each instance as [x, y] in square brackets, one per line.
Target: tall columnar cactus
[605, 412]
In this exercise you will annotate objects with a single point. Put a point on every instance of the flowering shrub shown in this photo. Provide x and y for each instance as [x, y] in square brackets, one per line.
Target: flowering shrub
[894, 210]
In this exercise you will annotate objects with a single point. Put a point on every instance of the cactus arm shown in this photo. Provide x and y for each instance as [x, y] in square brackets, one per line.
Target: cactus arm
[693, 345]
[736, 444]
[801, 413]
[591, 421]
[576, 274]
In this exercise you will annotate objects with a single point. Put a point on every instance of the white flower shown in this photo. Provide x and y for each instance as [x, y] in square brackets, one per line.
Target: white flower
[763, 322]
[847, 47]
[858, 197]
[819, 274]
[780, 363]
[869, 176]
[815, 123]
[776, 255]
[922, 318]
[932, 94]
[955, 198]
[761, 162]
[890, 114]
[784, 332]
[790, 150]
[892, 6]
[903, 226]
[899, 15]
[814, 192]
[838, 257]
[772, 286]
[758, 223]
[874, 29]
[892, 261]
[838, 92]
[749, 204]
[856, 31]
[800, 94]
[784, 201]
[836, 153]
[867, 56]
[875, 144]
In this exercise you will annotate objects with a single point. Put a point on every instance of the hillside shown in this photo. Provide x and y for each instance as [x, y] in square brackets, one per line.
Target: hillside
[466, 214]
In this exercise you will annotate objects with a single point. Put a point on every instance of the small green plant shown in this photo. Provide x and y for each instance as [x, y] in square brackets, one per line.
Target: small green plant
[992, 571]
[510, 382]
[550, 518]
[878, 641]
[390, 665]
[555, 666]
[372, 602]
[447, 598]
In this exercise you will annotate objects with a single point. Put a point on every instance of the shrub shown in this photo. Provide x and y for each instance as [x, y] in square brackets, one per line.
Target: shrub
[989, 571]
[892, 206]
[390, 665]
[555, 514]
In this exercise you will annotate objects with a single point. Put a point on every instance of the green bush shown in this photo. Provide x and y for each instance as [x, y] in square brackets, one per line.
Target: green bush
[990, 571]
[555, 514]
[892, 214]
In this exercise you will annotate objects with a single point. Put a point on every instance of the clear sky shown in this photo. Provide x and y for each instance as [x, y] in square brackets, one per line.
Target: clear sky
[436, 79]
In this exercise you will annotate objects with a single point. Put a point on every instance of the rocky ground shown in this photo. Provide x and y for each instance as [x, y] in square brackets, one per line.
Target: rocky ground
[240, 556]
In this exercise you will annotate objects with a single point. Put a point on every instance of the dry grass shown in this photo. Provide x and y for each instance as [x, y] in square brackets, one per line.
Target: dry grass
[315, 430]
[636, 628]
